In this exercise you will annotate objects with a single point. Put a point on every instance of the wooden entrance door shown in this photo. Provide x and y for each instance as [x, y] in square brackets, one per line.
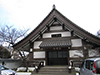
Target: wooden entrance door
[57, 57]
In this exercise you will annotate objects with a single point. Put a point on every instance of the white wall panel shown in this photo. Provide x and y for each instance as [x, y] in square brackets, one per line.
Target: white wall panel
[47, 35]
[64, 34]
[36, 44]
[39, 54]
[93, 53]
[76, 53]
[76, 42]
[54, 28]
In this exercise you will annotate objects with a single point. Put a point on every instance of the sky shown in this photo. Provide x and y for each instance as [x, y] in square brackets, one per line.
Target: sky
[30, 13]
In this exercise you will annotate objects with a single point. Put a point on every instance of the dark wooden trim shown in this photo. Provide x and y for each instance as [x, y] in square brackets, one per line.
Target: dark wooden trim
[79, 31]
[77, 48]
[39, 59]
[68, 57]
[38, 50]
[36, 30]
[72, 33]
[31, 53]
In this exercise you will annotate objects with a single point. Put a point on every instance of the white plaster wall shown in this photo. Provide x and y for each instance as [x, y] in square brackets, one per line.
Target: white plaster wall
[93, 53]
[76, 42]
[12, 64]
[54, 28]
[76, 53]
[36, 44]
[64, 34]
[47, 35]
[39, 54]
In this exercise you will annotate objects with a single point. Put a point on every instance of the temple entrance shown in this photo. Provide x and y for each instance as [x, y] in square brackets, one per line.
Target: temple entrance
[57, 58]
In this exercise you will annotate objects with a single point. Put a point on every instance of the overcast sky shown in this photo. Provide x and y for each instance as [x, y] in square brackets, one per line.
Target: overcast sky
[29, 13]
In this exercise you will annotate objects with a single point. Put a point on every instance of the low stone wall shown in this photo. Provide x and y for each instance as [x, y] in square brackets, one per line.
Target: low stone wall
[10, 63]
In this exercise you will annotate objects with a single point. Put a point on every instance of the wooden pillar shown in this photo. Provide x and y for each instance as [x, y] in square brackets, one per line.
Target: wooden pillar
[85, 48]
[68, 57]
[46, 56]
[63, 26]
[31, 51]
[72, 33]
[85, 52]
[48, 28]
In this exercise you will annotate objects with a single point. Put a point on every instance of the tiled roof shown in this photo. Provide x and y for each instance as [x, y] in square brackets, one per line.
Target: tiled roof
[61, 42]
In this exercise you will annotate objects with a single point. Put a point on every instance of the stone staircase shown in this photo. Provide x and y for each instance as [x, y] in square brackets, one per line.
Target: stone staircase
[55, 70]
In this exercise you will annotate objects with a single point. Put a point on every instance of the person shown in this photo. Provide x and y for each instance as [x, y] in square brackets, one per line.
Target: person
[3, 63]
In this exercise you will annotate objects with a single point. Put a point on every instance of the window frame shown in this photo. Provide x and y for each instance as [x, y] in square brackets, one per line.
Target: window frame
[82, 65]
[89, 64]
[56, 35]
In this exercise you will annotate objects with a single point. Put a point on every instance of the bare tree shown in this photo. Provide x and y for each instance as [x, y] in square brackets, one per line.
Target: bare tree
[98, 33]
[4, 52]
[11, 35]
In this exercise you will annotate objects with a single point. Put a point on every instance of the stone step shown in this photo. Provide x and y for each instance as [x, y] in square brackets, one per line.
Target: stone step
[55, 70]
[52, 69]
[54, 74]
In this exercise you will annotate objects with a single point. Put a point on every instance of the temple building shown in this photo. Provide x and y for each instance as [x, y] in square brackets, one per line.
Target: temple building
[58, 41]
